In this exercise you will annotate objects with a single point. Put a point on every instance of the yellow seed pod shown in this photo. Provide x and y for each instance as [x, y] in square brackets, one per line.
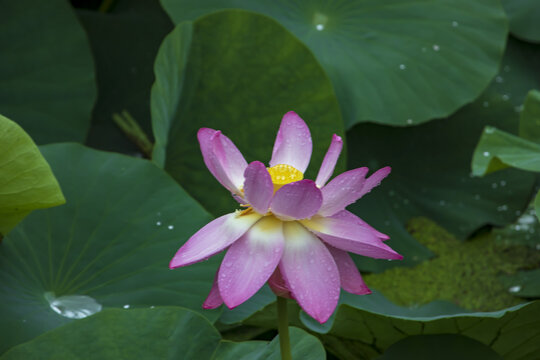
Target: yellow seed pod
[284, 174]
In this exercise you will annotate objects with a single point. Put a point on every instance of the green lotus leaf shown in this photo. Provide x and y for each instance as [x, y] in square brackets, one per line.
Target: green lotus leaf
[108, 247]
[47, 80]
[498, 150]
[398, 62]
[303, 346]
[26, 180]
[223, 72]
[441, 347]
[524, 15]
[431, 173]
[365, 326]
[529, 122]
[160, 333]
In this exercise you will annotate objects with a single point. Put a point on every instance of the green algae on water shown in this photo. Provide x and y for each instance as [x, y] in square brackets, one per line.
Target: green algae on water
[465, 273]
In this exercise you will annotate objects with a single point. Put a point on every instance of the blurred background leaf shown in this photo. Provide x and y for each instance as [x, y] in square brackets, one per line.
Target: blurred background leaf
[47, 81]
[431, 165]
[398, 62]
[523, 16]
[238, 72]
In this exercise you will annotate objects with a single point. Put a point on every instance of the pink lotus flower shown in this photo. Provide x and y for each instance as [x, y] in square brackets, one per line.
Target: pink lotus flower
[293, 233]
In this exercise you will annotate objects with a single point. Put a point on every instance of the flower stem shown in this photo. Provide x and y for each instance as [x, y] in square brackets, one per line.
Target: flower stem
[134, 132]
[283, 329]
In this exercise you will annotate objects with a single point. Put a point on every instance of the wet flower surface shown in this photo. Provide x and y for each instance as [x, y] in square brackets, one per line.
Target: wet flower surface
[292, 232]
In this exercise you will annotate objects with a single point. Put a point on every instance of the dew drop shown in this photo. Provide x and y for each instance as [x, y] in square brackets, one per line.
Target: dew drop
[170, 227]
[409, 121]
[73, 306]
[506, 97]
[499, 79]
[489, 130]
[126, 306]
[402, 66]
[503, 183]
[494, 185]
[436, 47]
[515, 289]
[319, 27]
[455, 24]
[485, 104]
[158, 223]
[486, 153]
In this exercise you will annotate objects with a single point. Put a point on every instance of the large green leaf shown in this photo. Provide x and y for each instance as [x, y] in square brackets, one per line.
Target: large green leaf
[440, 347]
[26, 180]
[524, 15]
[222, 71]
[375, 322]
[303, 346]
[124, 44]
[397, 62]
[364, 326]
[160, 333]
[109, 246]
[46, 70]
[431, 165]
